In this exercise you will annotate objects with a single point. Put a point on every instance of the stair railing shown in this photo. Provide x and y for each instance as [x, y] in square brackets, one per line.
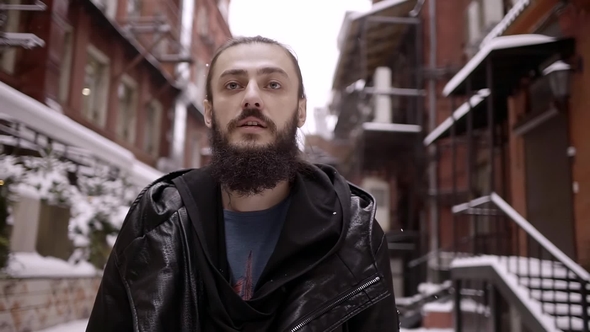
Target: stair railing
[554, 279]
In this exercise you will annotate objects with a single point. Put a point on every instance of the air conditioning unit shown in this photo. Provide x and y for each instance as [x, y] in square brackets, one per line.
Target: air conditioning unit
[382, 102]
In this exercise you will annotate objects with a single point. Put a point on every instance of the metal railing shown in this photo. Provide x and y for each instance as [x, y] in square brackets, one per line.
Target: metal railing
[552, 278]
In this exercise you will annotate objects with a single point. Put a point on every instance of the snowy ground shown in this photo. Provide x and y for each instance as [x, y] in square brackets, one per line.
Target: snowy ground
[75, 326]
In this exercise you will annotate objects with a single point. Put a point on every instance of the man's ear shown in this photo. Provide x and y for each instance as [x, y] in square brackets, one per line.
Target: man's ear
[302, 112]
[208, 112]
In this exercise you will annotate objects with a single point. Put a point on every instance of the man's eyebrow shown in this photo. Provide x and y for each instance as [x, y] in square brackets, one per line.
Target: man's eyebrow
[272, 70]
[234, 72]
[261, 71]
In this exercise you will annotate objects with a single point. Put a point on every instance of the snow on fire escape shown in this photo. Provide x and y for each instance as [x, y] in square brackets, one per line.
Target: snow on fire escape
[10, 38]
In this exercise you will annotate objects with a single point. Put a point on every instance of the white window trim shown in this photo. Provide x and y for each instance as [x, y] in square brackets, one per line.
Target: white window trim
[65, 74]
[8, 58]
[105, 61]
[129, 81]
[203, 22]
[158, 106]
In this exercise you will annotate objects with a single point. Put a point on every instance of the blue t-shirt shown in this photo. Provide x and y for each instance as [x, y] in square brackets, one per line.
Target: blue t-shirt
[250, 239]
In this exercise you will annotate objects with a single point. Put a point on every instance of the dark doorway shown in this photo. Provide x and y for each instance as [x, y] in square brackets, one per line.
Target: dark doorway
[549, 184]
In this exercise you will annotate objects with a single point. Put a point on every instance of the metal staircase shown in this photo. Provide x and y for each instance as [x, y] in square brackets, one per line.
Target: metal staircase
[510, 259]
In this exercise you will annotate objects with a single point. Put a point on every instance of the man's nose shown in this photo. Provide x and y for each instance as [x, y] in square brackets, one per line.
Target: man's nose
[252, 98]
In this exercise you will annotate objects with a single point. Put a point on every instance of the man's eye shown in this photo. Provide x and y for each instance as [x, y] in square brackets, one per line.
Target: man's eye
[232, 86]
[274, 85]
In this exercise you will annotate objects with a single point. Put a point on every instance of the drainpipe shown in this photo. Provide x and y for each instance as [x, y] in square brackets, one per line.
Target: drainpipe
[183, 76]
[433, 156]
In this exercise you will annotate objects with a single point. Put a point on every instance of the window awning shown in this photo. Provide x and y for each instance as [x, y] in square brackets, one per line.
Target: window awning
[380, 39]
[511, 58]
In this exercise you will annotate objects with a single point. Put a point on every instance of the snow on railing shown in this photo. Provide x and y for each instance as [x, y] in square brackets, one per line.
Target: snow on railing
[532, 268]
[542, 240]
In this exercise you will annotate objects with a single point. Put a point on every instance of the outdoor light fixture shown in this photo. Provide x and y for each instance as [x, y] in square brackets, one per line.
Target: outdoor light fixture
[559, 74]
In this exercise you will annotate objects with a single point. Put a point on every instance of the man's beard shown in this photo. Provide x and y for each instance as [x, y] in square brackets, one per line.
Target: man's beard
[249, 169]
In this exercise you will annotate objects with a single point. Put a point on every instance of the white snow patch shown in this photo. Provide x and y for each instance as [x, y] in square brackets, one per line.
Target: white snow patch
[429, 288]
[75, 326]
[510, 17]
[30, 265]
[42, 118]
[424, 290]
[467, 305]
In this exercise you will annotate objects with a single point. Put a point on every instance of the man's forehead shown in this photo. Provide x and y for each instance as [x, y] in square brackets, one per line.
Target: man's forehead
[254, 56]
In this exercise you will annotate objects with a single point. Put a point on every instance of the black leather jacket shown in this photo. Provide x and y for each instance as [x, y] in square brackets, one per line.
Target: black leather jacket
[149, 282]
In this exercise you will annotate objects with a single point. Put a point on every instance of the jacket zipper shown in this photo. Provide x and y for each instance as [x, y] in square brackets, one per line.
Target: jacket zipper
[343, 298]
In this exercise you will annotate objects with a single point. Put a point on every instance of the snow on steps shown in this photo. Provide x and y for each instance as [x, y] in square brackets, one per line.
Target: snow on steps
[530, 270]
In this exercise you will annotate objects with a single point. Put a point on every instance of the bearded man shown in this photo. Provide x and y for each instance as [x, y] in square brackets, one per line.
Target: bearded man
[258, 240]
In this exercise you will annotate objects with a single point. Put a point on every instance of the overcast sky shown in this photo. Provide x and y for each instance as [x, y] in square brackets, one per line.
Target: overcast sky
[309, 27]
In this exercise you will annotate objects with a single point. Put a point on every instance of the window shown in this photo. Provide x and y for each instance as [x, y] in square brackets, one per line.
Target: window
[95, 89]
[482, 16]
[126, 121]
[202, 22]
[153, 119]
[66, 67]
[223, 6]
[200, 80]
[161, 48]
[134, 8]
[195, 152]
[8, 54]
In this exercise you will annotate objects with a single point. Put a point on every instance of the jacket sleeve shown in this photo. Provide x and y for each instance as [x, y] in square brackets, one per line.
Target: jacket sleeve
[112, 311]
[383, 316]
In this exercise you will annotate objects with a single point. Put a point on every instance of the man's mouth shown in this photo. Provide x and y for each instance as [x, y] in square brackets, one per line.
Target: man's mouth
[252, 122]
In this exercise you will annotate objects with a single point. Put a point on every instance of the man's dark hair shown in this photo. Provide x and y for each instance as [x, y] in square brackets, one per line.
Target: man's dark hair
[252, 40]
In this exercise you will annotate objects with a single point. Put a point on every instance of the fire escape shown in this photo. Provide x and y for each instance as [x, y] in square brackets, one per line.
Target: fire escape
[154, 28]
[9, 39]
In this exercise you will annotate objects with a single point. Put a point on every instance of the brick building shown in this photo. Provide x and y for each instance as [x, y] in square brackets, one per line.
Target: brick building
[502, 90]
[210, 31]
[131, 71]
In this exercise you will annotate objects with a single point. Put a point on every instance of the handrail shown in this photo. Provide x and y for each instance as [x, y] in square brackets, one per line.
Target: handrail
[542, 240]
[529, 229]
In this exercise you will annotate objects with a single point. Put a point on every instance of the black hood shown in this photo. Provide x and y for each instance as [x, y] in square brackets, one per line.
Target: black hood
[315, 227]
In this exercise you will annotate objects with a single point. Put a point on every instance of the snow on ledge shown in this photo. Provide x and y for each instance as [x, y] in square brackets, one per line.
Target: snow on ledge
[46, 120]
[505, 23]
[510, 279]
[33, 265]
[467, 305]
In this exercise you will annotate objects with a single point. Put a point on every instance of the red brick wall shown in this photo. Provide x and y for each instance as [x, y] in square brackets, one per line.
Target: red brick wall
[195, 127]
[38, 70]
[450, 27]
[516, 166]
[576, 22]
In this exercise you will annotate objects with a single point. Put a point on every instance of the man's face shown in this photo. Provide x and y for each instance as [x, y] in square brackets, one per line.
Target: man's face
[254, 91]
